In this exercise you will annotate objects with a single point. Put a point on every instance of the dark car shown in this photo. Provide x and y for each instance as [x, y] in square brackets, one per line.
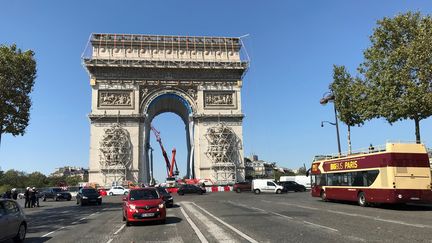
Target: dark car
[166, 196]
[242, 186]
[13, 222]
[55, 193]
[292, 186]
[184, 189]
[87, 196]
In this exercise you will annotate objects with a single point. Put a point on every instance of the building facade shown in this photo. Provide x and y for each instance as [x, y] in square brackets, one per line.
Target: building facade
[134, 78]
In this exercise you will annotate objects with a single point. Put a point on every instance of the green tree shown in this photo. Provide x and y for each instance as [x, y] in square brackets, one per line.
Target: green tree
[17, 75]
[37, 179]
[14, 178]
[349, 99]
[302, 170]
[397, 69]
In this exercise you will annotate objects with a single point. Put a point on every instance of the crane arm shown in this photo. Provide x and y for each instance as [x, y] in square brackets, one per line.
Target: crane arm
[173, 162]
[158, 138]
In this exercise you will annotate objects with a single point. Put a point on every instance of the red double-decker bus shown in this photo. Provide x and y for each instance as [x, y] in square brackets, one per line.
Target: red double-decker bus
[395, 173]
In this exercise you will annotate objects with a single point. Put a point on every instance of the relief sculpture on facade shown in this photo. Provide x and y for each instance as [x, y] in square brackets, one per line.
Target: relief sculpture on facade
[219, 99]
[115, 98]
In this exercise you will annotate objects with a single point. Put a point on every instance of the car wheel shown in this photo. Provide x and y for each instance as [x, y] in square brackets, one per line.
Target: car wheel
[55, 198]
[21, 233]
[128, 223]
[238, 190]
[124, 218]
[82, 203]
[111, 194]
[257, 191]
[163, 221]
[362, 199]
[278, 191]
[44, 198]
[69, 199]
[180, 193]
[77, 202]
[99, 203]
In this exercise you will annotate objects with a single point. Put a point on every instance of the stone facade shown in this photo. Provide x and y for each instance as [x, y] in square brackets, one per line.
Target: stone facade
[134, 78]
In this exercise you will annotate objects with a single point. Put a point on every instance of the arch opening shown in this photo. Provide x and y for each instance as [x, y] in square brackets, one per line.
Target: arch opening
[168, 102]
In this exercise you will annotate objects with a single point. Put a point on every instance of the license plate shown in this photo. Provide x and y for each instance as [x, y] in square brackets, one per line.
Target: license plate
[147, 215]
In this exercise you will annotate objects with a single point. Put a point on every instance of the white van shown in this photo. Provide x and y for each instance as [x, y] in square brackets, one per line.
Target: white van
[266, 185]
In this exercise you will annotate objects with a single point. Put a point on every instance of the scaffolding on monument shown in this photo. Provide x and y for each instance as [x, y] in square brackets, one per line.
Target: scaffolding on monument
[115, 155]
[156, 51]
[223, 150]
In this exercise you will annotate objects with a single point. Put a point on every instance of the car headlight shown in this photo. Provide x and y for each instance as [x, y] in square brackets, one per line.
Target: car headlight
[58, 194]
[100, 197]
[162, 205]
[84, 197]
[132, 206]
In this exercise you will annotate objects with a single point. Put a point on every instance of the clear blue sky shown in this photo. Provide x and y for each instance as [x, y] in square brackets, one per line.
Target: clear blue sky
[292, 44]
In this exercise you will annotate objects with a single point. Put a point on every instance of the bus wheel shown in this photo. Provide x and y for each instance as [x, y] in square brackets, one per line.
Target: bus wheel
[324, 196]
[362, 199]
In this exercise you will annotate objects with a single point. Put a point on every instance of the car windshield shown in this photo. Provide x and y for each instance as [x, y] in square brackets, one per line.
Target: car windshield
[89, 191]
[143, 195]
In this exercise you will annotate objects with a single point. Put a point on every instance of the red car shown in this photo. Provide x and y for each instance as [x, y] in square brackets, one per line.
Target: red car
[242, 186]
[143, 204]
[102, 192]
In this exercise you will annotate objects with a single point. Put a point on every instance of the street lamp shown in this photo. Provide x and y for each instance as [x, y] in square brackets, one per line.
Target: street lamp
[327, 97]
[331, 123]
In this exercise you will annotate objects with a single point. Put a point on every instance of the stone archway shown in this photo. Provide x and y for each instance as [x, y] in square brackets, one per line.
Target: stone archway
[174, 101]
[136, 77]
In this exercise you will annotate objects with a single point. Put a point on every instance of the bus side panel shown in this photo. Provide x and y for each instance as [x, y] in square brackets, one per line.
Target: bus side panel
[337, 193]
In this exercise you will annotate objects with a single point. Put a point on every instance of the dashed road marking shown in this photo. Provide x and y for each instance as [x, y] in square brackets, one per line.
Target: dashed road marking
[45, 235]
[320, 226]
[109, 241]
[119, 229]
[194, 227]
[381, 219]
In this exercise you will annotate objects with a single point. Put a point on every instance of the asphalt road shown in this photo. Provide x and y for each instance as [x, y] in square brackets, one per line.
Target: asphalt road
[232, 217]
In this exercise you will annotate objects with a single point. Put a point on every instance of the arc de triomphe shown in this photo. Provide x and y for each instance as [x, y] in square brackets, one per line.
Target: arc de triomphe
[134, 78]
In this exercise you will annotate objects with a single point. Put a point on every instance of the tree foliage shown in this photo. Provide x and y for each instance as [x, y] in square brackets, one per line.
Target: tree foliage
[398, 69]
[19, 179]
[349, 99]
[17, 75]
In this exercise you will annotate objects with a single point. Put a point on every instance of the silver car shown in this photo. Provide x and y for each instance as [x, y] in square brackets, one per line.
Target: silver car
[13, 222]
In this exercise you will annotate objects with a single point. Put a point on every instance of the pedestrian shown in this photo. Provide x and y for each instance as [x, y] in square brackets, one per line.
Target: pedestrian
[33, 197]
[7, 194]
[27, 202]
[36, 192]
[14, 194]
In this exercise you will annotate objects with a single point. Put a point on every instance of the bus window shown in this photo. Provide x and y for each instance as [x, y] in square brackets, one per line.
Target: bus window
[371, 176]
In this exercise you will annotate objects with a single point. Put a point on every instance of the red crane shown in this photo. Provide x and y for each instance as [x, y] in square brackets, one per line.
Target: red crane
[169, 166]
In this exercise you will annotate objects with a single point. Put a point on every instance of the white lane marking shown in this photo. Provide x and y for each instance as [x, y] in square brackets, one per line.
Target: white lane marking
[246, 237]
[194, 227]
[119, 229]
[91, 214]
[281, 215]
[109, 241]
[82, 219]
[215, 230]
[67, 211]
[45, 235]
[320, 226]
[285, 216]
[381, 219]
[295, 205]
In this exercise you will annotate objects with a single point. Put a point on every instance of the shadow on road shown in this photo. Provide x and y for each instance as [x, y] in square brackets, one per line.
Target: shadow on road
[169, 220]
[37, 239]
[399, 207]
